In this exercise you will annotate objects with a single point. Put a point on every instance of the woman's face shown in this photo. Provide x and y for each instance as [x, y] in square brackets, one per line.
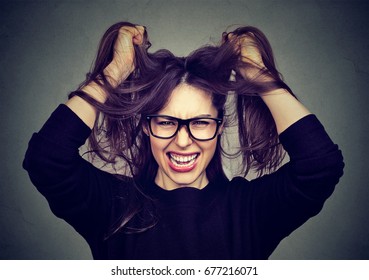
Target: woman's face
[183, 160]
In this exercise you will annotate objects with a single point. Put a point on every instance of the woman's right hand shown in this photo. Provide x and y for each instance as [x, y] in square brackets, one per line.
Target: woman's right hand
[122, 64]
[116, 72]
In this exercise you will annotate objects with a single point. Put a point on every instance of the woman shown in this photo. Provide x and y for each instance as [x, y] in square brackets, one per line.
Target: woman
[158, 120]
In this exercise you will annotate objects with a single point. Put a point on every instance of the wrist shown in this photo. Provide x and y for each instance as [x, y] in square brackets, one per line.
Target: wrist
[116, 75]
[95, 91]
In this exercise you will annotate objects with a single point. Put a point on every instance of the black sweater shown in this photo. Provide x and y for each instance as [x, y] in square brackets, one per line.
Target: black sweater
[237, 219]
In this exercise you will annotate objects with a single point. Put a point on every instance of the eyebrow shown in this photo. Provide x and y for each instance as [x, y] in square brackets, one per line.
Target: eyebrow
[202, 116]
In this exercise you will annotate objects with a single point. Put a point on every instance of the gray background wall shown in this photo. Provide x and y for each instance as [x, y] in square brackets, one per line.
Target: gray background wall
[46, 47]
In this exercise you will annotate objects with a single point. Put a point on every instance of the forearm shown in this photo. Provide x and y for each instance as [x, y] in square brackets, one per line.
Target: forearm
[285, 108]
[73, 187]
[298, 190]
[53, 151]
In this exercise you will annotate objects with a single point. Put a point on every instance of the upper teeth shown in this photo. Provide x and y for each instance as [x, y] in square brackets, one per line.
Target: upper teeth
[183, 158]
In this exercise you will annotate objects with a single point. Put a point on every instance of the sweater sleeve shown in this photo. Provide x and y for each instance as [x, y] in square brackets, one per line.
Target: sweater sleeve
[76, 191]
[287, 198]
[316, 163]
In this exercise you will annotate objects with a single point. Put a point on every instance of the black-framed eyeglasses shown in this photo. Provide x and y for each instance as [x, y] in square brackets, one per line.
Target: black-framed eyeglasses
[200, 128]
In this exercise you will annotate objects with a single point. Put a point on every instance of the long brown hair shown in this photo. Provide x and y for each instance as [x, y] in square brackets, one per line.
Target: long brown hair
[118, 132]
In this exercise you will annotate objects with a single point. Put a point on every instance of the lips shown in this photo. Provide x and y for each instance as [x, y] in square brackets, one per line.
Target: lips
[182, 162]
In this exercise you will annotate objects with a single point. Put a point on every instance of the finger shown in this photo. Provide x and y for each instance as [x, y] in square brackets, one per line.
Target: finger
[139, 35]
[124, 40]
[228, 36]
[224, 37]
[127, 31]
[140, 29]
[136, 34]
[235, 40]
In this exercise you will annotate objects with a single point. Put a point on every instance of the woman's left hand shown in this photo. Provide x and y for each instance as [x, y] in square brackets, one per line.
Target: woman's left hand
[249, 50]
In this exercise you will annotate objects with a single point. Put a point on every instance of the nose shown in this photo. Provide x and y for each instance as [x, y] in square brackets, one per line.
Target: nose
[183, 138]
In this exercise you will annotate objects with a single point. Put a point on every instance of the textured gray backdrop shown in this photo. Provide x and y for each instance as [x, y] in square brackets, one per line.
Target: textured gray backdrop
[321, 48]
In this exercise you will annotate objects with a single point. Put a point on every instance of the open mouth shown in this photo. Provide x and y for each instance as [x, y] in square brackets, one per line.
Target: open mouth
[182, 161]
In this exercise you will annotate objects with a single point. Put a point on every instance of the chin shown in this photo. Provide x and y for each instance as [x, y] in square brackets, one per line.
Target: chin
[187, 180]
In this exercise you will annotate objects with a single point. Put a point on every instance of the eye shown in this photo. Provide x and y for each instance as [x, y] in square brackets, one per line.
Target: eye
[166, 123]
[200, 123]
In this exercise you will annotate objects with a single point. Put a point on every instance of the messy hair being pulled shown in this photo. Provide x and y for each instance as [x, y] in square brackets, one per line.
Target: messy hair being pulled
[118, 137]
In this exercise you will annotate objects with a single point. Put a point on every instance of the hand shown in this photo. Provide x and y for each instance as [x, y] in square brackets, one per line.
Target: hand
[249, 50]
[124, 54]
[117, 71]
